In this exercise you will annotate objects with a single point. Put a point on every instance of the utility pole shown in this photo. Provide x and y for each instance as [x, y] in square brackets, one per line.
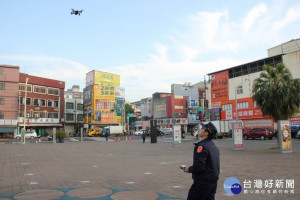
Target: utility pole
[24, 134]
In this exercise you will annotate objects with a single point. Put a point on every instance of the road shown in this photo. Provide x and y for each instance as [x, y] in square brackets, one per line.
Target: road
[257, 143]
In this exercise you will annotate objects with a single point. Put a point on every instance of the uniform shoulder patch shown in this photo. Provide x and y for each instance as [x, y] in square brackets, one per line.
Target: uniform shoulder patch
[199, 149]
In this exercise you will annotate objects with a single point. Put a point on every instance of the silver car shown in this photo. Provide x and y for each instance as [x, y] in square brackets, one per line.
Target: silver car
[28, 134]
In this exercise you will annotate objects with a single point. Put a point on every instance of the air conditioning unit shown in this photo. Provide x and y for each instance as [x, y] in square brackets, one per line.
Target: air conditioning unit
[36, 115]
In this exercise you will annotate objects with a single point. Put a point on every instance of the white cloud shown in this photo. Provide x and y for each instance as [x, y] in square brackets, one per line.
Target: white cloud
[253, 15]
[292, 15]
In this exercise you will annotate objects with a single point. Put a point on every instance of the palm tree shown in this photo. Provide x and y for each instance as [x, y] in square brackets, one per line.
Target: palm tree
[276, 92]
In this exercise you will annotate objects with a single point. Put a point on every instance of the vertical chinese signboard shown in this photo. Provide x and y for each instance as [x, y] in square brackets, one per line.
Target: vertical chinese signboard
[285, 138]
[177, 133]
[237, 136]
[219, 88]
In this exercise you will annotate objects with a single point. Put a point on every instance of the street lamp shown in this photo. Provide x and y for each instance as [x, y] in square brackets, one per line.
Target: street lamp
[24, 134]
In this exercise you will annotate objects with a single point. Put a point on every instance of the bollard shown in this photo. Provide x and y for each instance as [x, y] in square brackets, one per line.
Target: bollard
[118, 139]
[130, 139]
[126, 139]
[115, 139]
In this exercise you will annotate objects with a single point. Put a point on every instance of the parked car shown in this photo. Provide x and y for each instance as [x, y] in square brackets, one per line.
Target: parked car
[228, 134]
[261, 133]
[298, 135]
[166, 131]
[28, 134]
[139, 132]
[294, 130]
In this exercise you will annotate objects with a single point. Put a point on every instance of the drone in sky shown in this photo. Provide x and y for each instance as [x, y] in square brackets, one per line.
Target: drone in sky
[76, 12]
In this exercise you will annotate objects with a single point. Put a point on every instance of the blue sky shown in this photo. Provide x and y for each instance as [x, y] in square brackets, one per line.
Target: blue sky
[151, 44]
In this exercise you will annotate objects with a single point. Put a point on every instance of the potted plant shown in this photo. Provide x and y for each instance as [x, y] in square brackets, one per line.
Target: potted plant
[60, 135]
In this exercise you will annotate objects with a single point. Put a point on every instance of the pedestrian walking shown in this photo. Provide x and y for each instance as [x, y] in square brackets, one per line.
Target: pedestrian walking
[144, 135]
[206, 165]
[107, 134]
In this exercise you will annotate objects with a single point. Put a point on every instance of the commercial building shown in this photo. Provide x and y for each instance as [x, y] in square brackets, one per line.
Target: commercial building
[101, 105]
[44, 104]
[9, 84]
[230, 90]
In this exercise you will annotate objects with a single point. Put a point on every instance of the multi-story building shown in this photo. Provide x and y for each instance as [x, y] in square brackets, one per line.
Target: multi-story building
[73, 110]
[146, 108]
[74, 93]
[9, 83]
[101, 108]
[44, 103]
[195, 95]
[166, 107]
[230, 90]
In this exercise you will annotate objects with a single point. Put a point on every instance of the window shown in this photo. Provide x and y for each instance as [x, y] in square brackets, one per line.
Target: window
[242, 105]
[69, 105]
[22, 100]
[1, 115]
[256, 104]
[28, 101]
[69, 117]
[2, 86]
[39, 102]
[79, 117]
[52, 103]
[1, 101]
[79, 106]
[239, 89]
[52, 115]
[39, 89]
[2, 71]
[22, 87]
[53, 91]
[227, 107]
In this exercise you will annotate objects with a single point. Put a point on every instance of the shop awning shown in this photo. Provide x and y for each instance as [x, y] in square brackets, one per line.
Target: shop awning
[7, 129]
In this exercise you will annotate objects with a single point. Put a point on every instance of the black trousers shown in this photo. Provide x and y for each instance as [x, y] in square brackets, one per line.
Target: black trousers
[202, 192]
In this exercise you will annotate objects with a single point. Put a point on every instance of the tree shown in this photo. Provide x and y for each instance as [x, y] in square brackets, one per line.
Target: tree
[276, 92]
[129, 109]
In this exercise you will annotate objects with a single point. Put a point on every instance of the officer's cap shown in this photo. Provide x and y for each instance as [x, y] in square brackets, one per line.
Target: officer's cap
[210, 127]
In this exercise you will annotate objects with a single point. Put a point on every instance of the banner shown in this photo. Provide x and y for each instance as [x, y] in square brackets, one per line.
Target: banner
[237, 135]
[219, 87]
[177, 134]
[285, 138]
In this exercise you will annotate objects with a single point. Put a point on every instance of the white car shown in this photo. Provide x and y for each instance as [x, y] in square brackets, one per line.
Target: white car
[29, 134]
[167, 131]
[139, 132]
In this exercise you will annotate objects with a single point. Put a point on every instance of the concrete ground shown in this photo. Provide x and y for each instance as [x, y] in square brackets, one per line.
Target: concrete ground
[133, 170]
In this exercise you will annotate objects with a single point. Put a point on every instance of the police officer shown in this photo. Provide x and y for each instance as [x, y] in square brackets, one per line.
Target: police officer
[206, 165]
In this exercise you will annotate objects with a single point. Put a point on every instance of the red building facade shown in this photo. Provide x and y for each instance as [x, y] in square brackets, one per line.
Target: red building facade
[44, 103]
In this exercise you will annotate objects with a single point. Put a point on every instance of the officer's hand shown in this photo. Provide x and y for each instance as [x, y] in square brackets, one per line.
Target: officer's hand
[186, 169]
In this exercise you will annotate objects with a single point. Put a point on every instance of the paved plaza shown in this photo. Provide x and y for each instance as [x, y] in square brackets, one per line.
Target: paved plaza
[133, 170]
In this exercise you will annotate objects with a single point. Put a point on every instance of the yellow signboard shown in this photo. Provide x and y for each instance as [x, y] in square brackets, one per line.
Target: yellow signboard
[104, 78]
[104, 92]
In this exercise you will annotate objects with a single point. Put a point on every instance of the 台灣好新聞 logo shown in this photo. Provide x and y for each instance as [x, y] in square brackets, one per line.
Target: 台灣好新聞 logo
[232, 186]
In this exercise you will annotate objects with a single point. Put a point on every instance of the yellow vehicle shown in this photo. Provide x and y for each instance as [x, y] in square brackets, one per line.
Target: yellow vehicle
[94, 132]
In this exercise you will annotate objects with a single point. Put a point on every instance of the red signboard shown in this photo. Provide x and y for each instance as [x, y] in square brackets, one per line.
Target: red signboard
[219, 87]
[242, 114]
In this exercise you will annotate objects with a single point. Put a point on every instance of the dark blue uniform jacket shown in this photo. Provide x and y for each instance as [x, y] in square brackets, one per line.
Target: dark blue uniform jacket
[206, 163]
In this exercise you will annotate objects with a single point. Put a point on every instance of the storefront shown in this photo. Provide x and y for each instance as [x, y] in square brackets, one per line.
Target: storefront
[7, 132]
